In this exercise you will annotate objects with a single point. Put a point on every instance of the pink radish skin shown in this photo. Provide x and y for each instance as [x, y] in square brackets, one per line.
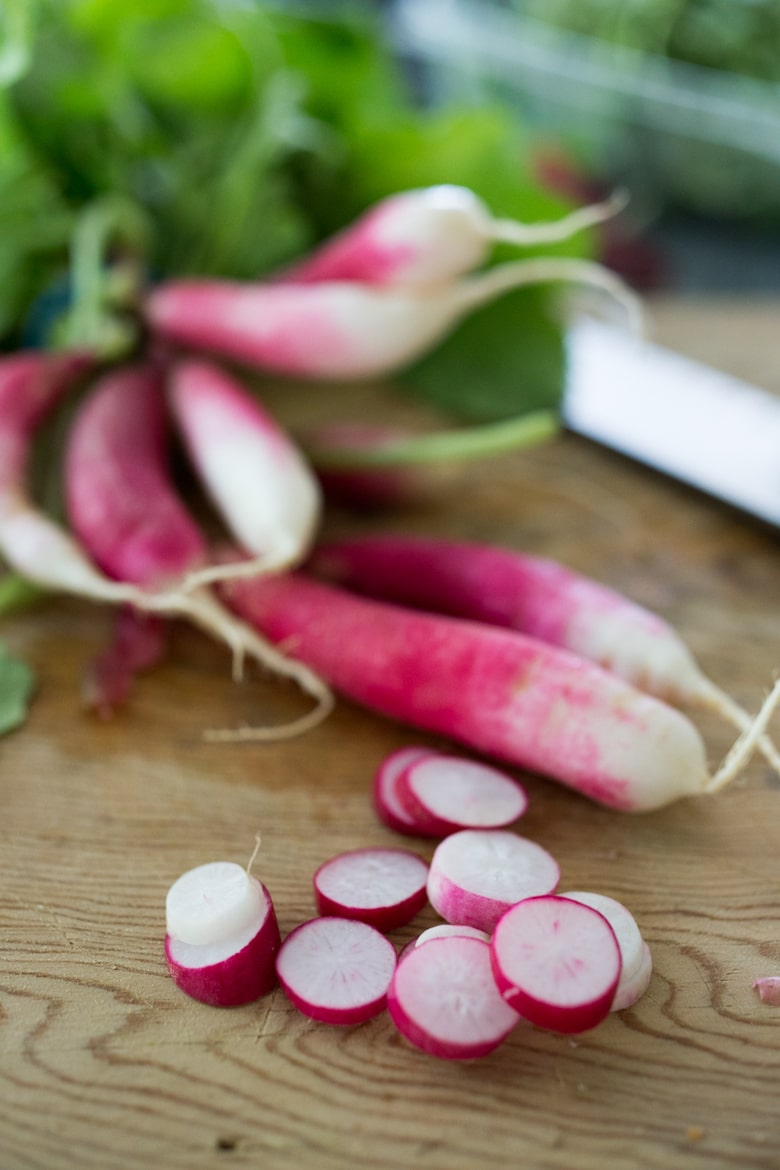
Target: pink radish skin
[631, 988]
[557, 962]
[443, 999]
[125, 512]
[500, 692]
[256, 476]
[426, 236]
[345, 329]
[443, 794]
[386, 803]
[477, 874]
[222, 935]
[383, 887]
[768, 988]
[536, 596]
[336, 970]
[365, 488]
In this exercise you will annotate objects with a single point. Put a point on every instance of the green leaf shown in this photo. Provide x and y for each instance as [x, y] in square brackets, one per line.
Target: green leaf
[17, 594]
[17, 684]
[503, 361]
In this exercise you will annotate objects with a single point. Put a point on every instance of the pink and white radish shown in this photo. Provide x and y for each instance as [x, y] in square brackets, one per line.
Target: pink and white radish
[557, 962]
[444, 793]
[635, 958]
[383, 887]
[537, 596]
[222, 935]
[386, 802]
[127, 515]
[259, 481]
[500, 692]
[345, 329]
[477, 874]
[336, 970]
[445, 930]
[430, 235]
[443, 999]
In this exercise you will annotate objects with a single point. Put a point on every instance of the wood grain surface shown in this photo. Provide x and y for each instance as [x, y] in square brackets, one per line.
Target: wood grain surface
[105, 1065]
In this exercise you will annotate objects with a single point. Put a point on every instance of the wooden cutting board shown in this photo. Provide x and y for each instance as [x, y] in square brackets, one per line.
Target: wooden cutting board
[105, 1065]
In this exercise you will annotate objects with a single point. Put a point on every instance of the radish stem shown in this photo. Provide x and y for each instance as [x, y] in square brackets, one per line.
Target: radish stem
[510, 231]
[741, 751]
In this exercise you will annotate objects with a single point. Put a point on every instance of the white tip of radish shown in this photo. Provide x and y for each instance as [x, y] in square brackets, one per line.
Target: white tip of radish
[557, 962]
[446, 793]
[384, 887]
[336, 970]
[443, 999]
[211, 902]
[476, 875]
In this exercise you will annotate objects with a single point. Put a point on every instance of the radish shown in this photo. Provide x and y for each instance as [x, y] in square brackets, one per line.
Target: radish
[344, 329]
[631, 988]
[768, 988]
[430, 235]
[444, 793]
[450, 930]
[477, 874]
[538, 597]
[383, 887]
[126, 514]
[622, 921]
[222, 935]
[336, 970]
[500, 692]
[444, 1000]
[386, 802]
[139, 643]
[259, 481]
[557, 962]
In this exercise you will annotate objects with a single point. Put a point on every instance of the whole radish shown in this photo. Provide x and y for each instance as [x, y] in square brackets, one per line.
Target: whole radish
[500, 692]
[258, 479]
[537, 596]
[430, 235]
[124, 509]
[345, 329]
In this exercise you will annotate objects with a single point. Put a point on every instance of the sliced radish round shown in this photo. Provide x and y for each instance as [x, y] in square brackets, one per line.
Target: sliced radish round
[622, 921]
[336, 970]
[211, 902]
[444, 1000]
[445, 930]
[632, 988]
[236, 969]
[477, 874]
[384, 887]
[388, 807]
[557, 962]
[446, 793]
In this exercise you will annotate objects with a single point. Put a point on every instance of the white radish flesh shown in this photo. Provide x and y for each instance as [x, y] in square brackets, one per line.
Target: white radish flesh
[622, 922]
[222, 935]
[450, 930]
[443, 999]
[476, 875]
[631, 988]
[336, 970]
[557, 962]
[383, 887]
[446, 793]
[386, 802]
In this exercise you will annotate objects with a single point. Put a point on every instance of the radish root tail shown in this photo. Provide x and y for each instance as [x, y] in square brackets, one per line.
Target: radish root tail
[746, 745]
[718, 701]
[510, 231]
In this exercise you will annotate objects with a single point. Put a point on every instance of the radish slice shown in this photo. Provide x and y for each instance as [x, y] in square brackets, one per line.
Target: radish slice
[212, 902]
[450, 930]
[235, 969]
[444, 1000]
[632, 988]
[630, 941]
[557, 962]
[383, 887]
[477, 874]
[386, 802]
[446, 793]
[336, 970]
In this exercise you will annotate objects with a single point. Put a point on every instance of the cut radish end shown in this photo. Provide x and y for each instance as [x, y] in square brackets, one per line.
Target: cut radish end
[212, 902]
[632, 988]
[336, 970]
[622, 921]
[557, 962]
[444, 1000]
[383, 887]
[446, 793]
[477, 874]
[235, 970]
[386, 802]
